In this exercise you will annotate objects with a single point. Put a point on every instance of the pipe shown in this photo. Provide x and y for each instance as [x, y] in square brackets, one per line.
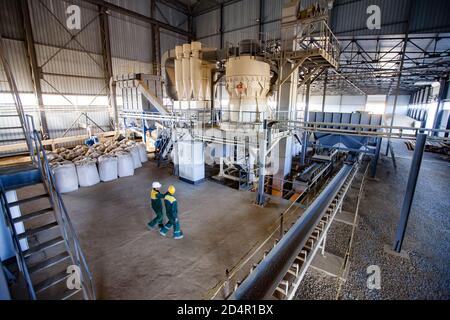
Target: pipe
[263, 281]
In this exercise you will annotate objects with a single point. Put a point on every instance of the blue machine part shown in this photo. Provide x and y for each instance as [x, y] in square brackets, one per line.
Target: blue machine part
[350, 143]
[144, 127]
[337, 120]
[91, 141]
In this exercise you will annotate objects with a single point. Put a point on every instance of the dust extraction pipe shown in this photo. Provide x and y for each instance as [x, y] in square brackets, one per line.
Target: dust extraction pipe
[263, 281]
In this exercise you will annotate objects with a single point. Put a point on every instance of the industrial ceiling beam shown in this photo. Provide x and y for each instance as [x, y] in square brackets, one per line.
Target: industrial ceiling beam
[156, 42]
[107, 61]
[34, 67]
[216, 6]
[397, 89]
[177, 5]
[138, 16]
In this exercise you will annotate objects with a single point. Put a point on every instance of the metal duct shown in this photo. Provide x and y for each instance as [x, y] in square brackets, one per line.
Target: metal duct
[263, 281]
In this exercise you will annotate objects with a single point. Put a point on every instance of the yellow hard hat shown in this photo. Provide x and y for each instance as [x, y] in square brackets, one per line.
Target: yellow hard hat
[171, 189]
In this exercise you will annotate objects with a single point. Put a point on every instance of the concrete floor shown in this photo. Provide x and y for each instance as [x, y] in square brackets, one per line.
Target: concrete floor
[426, 274]
[130, 262]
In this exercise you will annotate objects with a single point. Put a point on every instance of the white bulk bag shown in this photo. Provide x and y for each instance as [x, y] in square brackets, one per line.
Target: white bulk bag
[135, 155]
[142, 152]
[65, 177]
[125, 166]
[107, 168]
[87, 173]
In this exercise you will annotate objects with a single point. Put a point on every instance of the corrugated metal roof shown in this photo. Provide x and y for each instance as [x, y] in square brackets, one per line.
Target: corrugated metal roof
[212, 42]
[207, 24]
[170, 39]
[70, 62]
[350, 17]
[430, 16]
[143, 7]
[48, 19]
[10, 19]
[123, 66]
[272, 9]
[130, 38]
[236, 36]
[16, 55]
[240, 14]
[171, 16]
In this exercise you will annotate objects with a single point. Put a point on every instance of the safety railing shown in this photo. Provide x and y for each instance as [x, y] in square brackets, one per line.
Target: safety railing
[207, 117]
[234, 276]
[306, 38]
[71, 240]
[282, 224]
[376, 131]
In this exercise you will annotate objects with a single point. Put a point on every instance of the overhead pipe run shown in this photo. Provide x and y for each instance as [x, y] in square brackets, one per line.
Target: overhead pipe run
[265, 278]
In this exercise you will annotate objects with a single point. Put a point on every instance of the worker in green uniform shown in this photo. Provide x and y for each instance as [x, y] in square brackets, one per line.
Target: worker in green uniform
[172, 214]
[156, 200]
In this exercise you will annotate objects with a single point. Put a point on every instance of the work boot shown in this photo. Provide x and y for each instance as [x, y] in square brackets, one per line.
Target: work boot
[178, 235]
[163, 231]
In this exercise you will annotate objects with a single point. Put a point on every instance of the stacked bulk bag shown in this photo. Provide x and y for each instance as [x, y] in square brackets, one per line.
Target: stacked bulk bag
[107, 168]
[134, 150]
[125, 165]
[142, 152]
[87, 173]
[66, 178]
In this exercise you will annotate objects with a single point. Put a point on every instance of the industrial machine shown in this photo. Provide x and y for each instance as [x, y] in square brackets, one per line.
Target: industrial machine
[235, 110]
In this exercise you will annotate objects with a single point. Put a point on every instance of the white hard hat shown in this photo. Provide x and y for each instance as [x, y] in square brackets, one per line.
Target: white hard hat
[156, 185]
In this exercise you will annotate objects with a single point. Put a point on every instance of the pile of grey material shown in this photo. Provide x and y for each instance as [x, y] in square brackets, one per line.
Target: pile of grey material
[85, 166]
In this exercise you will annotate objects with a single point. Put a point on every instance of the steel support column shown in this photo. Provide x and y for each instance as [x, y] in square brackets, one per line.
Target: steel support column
[261, 21]
[305, 118]
[34, 68]
[325, 82]
[375, 158]
[410, 189]
[156, 42]
[442, 93]
[107, 61]
[221, 31]
[260, 195]
[139, 16]
[399, 79]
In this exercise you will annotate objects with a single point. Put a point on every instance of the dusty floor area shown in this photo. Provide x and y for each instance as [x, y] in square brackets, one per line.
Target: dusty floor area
[130, 262]
[426, 275]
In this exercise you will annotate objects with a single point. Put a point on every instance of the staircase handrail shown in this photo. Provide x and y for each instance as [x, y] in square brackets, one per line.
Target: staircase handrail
[68, 231]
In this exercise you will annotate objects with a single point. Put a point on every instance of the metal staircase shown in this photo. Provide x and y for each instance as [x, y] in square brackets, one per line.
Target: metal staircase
[50, 262]
[43, 236]
[166, 146]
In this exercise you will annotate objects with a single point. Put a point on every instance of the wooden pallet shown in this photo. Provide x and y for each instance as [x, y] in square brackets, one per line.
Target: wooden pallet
[430, 146]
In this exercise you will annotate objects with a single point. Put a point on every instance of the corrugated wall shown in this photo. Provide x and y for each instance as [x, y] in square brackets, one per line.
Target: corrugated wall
[349, 17]
[75, 68]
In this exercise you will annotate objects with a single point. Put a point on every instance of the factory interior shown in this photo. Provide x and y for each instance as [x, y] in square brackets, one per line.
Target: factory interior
[224, 150]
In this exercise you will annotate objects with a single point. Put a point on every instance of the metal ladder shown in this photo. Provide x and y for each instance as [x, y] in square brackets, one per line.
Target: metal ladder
[166, 146]
[53, 245]
[47, 248]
